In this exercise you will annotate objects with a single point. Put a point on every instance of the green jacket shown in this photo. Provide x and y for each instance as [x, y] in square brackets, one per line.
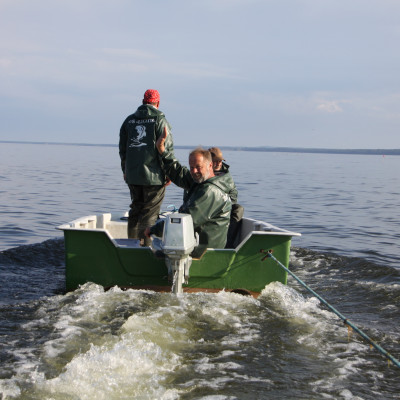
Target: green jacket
[233, 193]
[208, 203]
[140, 161]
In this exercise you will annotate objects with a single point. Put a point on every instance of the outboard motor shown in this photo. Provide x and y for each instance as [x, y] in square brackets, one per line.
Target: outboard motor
[177, 243]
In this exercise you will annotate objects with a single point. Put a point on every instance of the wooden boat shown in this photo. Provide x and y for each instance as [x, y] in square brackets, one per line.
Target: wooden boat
[97, 250]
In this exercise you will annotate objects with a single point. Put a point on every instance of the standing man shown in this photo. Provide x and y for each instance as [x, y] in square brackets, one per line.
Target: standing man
[141, 164]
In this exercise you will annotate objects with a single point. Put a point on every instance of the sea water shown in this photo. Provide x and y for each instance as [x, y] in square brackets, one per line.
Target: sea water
[92, 344]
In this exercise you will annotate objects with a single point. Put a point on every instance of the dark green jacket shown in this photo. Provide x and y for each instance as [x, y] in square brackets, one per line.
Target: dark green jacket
[208, 203]
[233, 193]
[140, 161]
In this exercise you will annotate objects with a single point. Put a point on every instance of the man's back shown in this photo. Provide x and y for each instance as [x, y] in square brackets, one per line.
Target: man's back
[141, 164]
[139, 156]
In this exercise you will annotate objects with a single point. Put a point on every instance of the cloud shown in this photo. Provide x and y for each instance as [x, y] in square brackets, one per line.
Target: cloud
[301, 103]
[330, 106]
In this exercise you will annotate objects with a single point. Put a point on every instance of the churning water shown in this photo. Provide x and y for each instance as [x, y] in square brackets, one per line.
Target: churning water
[92, 344]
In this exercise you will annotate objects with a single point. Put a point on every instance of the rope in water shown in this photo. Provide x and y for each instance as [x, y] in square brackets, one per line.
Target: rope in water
[342, 317]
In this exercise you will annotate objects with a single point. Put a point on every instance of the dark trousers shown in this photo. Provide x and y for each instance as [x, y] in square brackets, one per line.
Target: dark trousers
[144, 209]
[234, 226]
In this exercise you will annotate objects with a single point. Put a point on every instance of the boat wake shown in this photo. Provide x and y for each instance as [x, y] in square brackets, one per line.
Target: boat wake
[115, 344]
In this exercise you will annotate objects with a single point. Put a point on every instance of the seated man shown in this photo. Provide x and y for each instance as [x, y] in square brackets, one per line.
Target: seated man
[207, 199]
[221, 168]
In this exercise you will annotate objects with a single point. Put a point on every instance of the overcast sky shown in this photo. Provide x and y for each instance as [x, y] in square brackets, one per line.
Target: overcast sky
[302, 73]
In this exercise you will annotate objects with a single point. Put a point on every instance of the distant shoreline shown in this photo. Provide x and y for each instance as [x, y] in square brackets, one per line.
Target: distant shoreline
[384, 152]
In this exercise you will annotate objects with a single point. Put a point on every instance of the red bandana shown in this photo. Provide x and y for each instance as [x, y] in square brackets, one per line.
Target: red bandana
[151, 96]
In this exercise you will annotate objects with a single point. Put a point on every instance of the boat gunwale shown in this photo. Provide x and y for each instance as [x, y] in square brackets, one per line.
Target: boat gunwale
[267, 231]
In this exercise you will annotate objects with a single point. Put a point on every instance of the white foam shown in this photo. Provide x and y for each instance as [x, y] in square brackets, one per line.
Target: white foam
[9, 389]
[121, 368]
[148, 347]
[113, 345]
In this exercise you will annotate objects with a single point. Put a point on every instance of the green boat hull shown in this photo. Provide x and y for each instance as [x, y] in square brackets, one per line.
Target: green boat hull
[93, 255]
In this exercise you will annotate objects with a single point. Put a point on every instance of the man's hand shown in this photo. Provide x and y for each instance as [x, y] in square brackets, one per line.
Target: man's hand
[147, 232]
[161, 140]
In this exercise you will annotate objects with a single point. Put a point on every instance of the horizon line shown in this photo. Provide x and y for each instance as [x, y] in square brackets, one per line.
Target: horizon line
[374, 151]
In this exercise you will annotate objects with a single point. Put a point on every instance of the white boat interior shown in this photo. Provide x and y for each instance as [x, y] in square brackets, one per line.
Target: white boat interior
[115, 226]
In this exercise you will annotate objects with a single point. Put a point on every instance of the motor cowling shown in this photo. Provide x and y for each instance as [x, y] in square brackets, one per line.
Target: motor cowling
[178, 242]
